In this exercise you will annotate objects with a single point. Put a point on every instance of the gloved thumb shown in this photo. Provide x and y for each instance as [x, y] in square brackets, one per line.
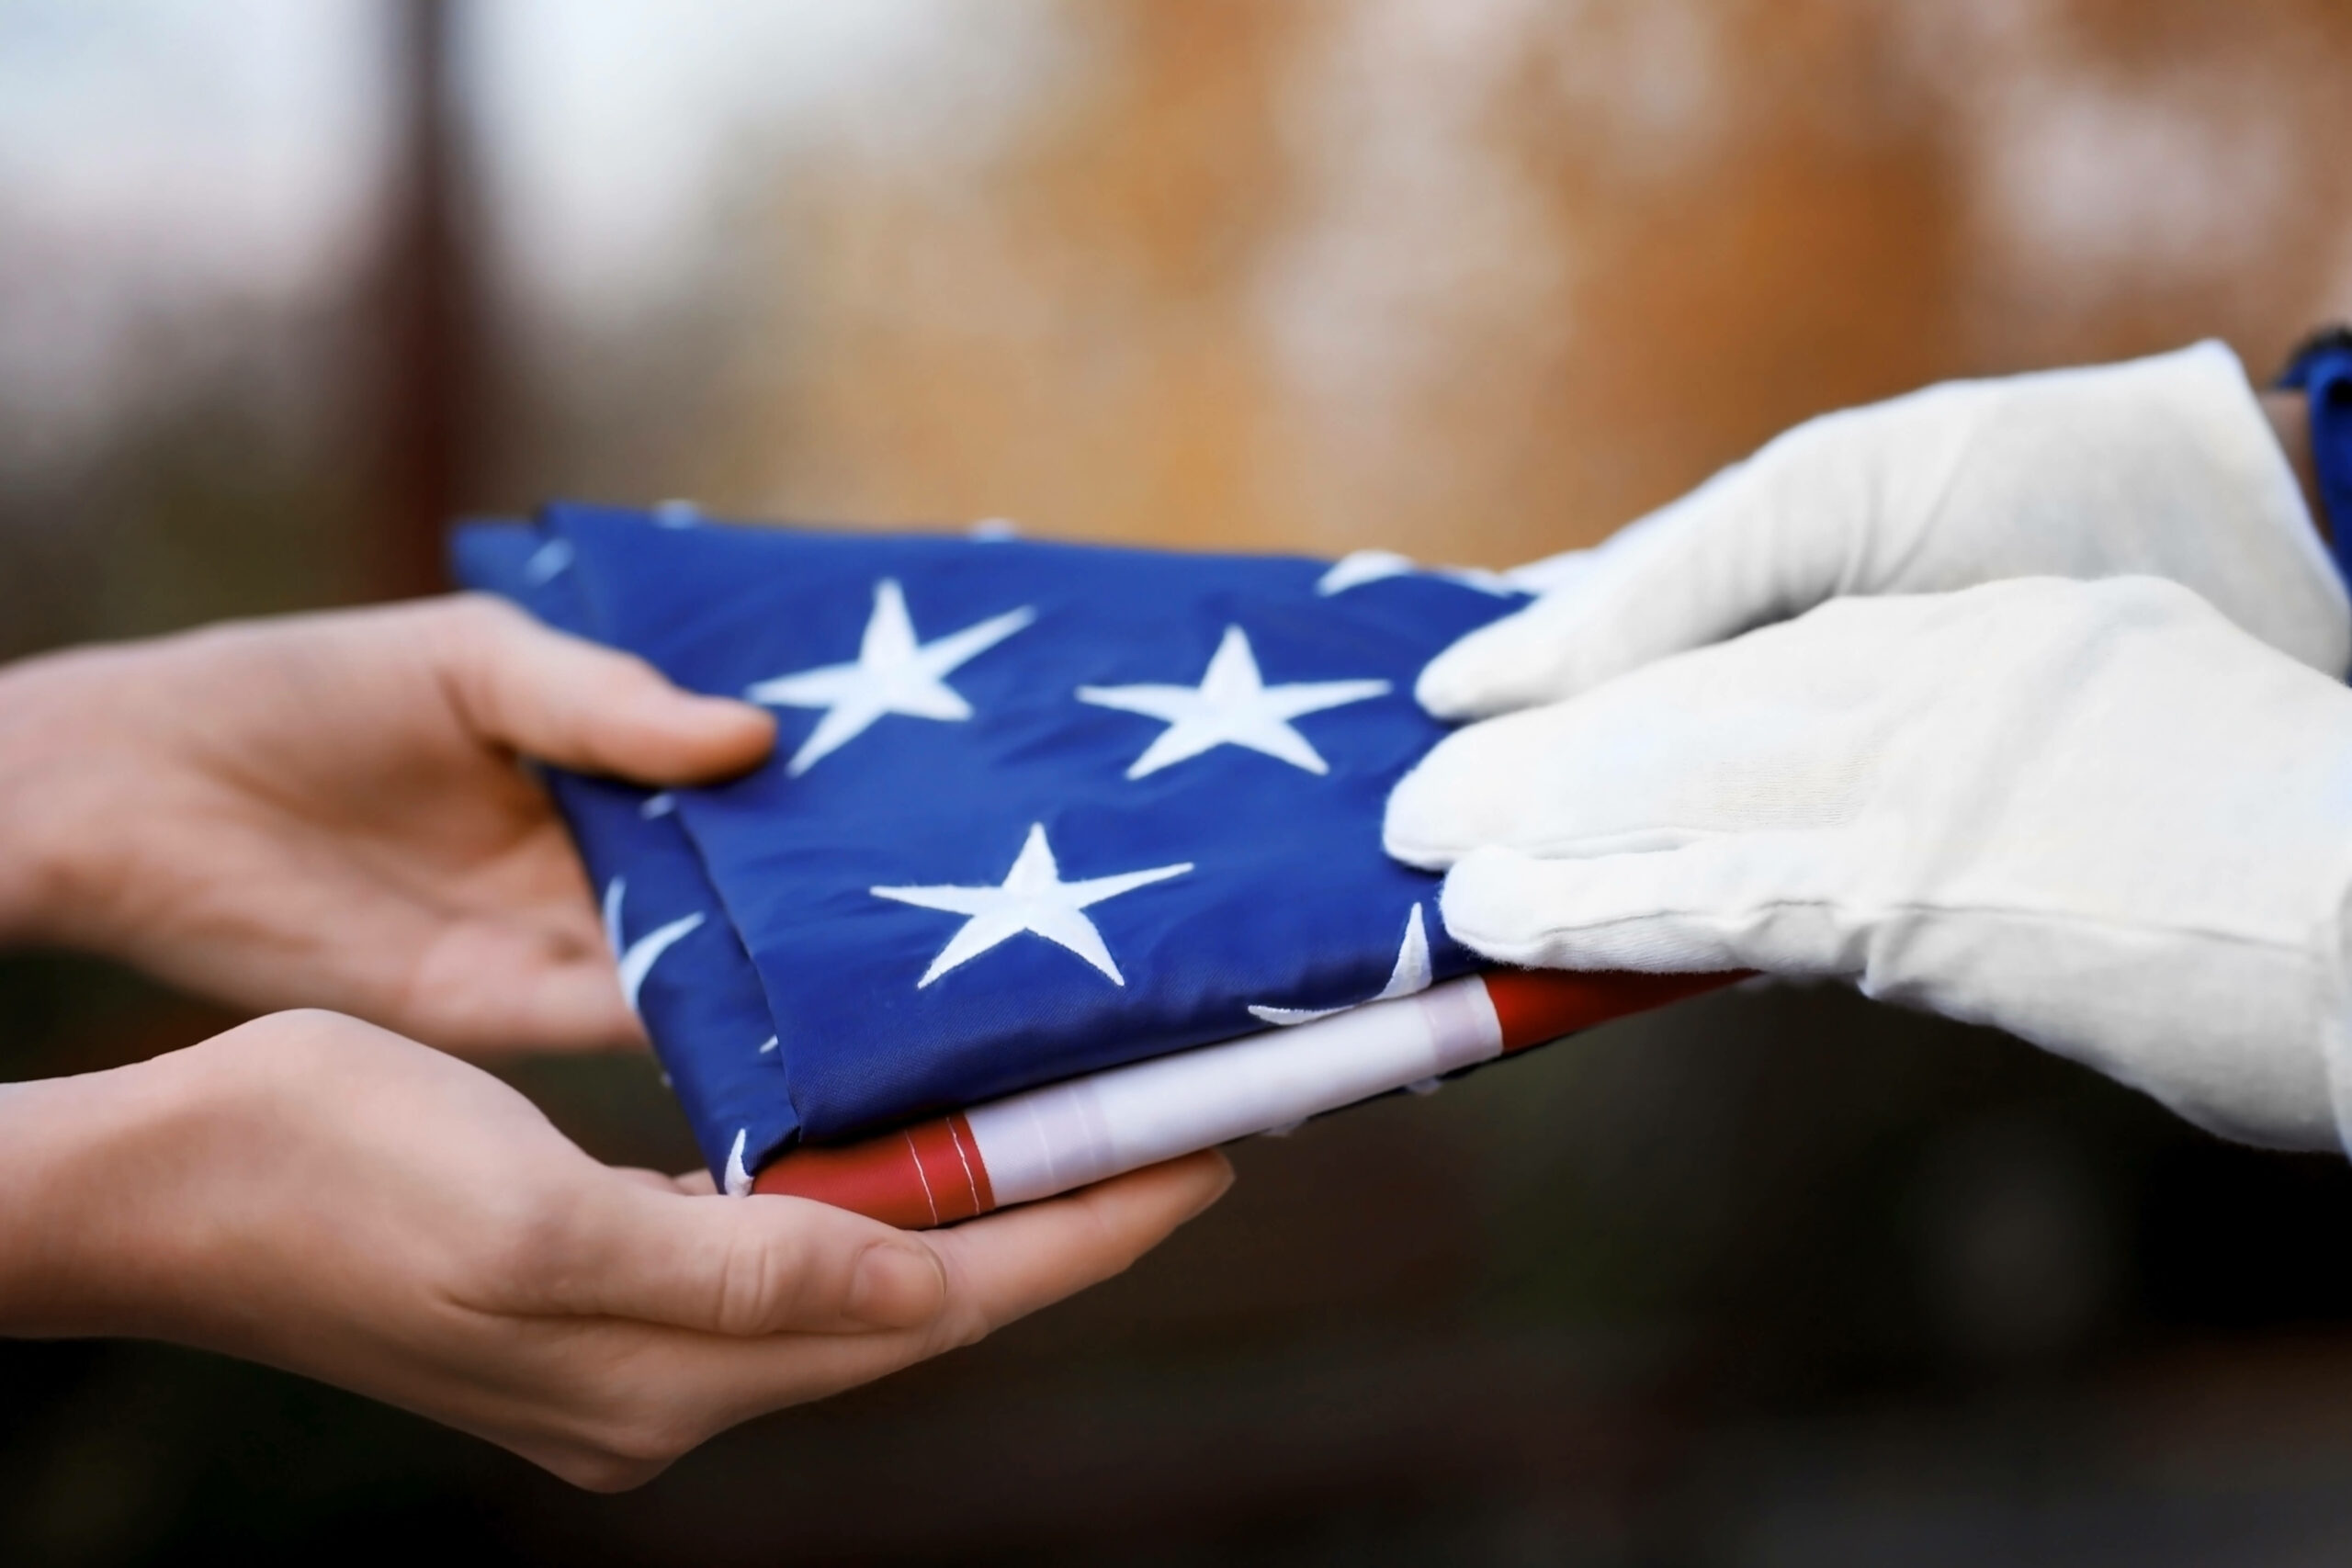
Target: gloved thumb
[1734, 901]
[1833, 506]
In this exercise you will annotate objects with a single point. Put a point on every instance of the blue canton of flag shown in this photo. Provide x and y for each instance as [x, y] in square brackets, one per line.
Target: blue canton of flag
[1035, 809]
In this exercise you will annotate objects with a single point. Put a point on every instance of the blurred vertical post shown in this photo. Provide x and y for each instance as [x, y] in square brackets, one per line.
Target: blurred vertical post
[427, 310]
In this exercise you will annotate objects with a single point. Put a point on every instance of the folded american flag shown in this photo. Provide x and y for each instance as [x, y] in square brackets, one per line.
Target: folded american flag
[1036, 809]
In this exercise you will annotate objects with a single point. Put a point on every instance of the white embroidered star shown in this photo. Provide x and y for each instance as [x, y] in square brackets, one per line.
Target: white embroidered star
[1355, 569]
[1032, 898]
[637, 958]
[546, 561]
[739, 1180]
[1231, 706]
[892, 673]
[1411, 975]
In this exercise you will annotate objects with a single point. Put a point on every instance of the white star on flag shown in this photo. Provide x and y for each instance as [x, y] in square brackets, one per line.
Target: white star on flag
[546, 561]
[1355, 569]
[1231, 706]
[892, 673]
[637, 958]
[1411, 975]
[739, 1180]
[1032, 898]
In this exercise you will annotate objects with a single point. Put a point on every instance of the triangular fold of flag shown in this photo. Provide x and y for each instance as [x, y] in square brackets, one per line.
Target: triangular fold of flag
[1035, 809]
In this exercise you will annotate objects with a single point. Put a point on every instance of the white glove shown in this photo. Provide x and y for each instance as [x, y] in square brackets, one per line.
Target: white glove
[2164, 466]
[2096, 814]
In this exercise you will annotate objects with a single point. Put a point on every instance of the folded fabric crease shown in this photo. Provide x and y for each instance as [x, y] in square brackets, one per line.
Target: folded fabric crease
[1035, 809]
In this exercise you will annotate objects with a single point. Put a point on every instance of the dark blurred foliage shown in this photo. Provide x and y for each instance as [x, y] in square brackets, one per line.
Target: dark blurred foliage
[193, 511]
[1780, 1276]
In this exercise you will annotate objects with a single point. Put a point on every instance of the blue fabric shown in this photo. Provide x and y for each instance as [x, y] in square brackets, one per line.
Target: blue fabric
[701, 1001]
[809, 1003]
[2321, 370]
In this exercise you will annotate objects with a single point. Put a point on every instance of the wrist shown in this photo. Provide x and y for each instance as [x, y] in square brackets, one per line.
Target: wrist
[25, 869]
[86, 1165]
[2319, 375]
[53, 862]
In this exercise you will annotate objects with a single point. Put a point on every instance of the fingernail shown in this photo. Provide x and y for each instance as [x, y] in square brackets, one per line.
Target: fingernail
[745, 717]
[704, 708]
[1224, 1183]
[896, 1286]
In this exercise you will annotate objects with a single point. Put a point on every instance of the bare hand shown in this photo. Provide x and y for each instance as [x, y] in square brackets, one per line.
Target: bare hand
[326, 811]
[314, 1193]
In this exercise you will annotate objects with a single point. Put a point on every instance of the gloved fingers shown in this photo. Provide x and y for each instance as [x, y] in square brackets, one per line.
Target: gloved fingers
[1497, 782]
[1553, 573]
[1516, 662]
[1566, 639]
[1734, 902]
[1777, 731]
[1725, 557]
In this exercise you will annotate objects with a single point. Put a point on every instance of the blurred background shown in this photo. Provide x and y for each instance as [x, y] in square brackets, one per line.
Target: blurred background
[1776, 1277]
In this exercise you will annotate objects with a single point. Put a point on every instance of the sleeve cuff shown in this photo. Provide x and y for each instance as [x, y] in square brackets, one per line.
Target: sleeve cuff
[2321, 370]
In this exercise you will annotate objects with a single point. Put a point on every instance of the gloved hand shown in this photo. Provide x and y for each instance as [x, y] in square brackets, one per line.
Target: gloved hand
[2096, 814]
[2165, 467]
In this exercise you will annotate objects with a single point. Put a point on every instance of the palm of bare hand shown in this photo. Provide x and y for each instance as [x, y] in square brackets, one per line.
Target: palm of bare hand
[334, 1199]
[329, 812]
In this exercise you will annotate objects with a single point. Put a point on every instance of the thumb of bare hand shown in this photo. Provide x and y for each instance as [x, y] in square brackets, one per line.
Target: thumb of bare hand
[568, 701]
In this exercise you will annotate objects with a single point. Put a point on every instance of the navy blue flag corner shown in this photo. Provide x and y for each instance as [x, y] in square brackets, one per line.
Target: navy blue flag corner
[1035, 809]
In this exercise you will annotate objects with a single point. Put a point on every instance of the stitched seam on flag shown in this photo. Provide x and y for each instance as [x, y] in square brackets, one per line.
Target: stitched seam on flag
[969, 1184]
[915, 1154]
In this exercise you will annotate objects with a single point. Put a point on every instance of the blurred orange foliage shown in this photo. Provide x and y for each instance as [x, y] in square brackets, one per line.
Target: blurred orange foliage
[1480, 279]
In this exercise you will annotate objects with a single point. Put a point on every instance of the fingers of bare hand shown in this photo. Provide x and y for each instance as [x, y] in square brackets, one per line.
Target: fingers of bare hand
[569, 700]
[999, 1268]
[1009, 1265]
[680, 1387]
[501, 985]
[732, 1266]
